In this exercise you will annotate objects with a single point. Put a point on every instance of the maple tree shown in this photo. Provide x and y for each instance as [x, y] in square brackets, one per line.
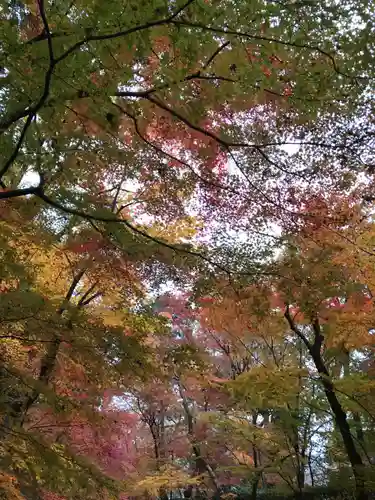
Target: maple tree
[221, 151]
[321, 287]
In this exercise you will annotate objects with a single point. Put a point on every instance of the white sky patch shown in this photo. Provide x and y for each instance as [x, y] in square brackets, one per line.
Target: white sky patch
[30, 179]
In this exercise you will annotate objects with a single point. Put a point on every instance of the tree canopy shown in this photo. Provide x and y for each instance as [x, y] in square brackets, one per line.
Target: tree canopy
[187, 241]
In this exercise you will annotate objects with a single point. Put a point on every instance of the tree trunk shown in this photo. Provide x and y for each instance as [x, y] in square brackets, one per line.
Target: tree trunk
[255, 481]
[343, 426]
[311, 471]
[201, 464]
[340, 416]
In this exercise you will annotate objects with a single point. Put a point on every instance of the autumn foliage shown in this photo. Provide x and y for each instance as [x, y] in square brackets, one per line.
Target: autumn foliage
[187, 249]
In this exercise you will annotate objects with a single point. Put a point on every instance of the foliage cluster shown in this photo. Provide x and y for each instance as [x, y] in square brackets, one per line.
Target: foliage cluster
[187, 246]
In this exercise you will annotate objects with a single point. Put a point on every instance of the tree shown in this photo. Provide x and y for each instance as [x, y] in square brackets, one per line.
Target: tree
[135, 141]
[323, 291]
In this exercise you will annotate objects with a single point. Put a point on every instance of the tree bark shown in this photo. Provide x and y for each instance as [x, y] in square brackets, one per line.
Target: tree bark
[22, 401]
[343, 426]
[315, 350]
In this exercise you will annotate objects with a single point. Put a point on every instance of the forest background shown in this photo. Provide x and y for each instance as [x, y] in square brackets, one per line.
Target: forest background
[187, 249]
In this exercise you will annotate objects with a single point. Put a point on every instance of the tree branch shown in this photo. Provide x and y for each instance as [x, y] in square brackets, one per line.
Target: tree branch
[34, 109]
[295, 328]
[18, 192]
[240, 34]
[40, 194]
[119, 34]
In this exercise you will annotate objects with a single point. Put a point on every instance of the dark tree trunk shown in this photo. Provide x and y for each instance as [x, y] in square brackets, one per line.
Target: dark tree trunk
[343, 427]
[315, 350]
[255, 482]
